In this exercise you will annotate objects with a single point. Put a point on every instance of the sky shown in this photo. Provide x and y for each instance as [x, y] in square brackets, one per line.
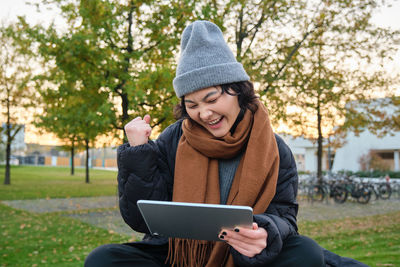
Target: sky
[10, 9]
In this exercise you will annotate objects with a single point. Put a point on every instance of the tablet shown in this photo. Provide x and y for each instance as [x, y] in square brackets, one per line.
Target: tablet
[193, 220]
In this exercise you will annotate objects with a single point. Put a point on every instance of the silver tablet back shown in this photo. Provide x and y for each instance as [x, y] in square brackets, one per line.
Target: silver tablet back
[193, 220]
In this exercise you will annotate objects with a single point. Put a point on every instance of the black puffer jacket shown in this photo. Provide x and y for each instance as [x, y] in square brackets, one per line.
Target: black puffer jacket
[147, 171]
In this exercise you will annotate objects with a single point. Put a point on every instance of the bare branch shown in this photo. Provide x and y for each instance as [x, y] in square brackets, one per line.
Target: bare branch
[291, 54]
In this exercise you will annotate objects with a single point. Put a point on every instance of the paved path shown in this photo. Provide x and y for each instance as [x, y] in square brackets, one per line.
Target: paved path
[316, 211]
[111, 219]
[63, 204]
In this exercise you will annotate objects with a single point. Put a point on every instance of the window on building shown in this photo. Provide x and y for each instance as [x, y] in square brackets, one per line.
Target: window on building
[386, 155]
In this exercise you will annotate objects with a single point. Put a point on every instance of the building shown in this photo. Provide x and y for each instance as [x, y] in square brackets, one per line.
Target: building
[18, 145]
[354, 155]
[305, 153]
[366, 151]
[350, 156]
[35, 154]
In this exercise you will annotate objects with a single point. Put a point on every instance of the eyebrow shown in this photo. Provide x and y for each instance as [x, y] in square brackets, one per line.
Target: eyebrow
[204, 98]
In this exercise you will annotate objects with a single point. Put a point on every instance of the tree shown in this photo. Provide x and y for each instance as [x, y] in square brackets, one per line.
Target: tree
[340, 62]
[73, 105]
[386, 120]
[130, 44]
[15, 74]
[57, 119]
[81, 115]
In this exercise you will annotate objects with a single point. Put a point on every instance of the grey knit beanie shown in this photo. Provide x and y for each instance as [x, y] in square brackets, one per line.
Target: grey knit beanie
[205, 60]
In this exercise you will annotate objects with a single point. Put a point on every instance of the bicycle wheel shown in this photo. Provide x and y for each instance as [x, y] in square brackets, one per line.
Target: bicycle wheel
[317, 193]
[364, 195]
[374, 191]
[339, 194]
[384, 191]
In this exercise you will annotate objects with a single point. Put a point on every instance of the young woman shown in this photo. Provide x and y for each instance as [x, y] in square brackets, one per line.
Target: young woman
[222, 150]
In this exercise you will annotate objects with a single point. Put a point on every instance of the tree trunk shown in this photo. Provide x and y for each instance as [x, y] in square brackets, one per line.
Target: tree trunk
[125, 115]
[329, 155]
[72, 158]
[87, 160]
[319, 153]
[7, 179]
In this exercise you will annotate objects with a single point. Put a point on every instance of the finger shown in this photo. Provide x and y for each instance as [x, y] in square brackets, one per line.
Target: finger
[236, 239]
[231, 235]
[247, 249]
[147, 118]
[243, 250]
[245, 242]
[241, 232]
[237, 229]
[132, 122]
[250, 237]
[255, 226]
[148, 132]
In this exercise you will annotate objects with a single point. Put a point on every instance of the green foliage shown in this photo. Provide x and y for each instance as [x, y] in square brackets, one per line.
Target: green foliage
[373, 173]
[55, 182]
[307, 60]
[29, 239]
[124, 51]
[339, 61]
[380, 116]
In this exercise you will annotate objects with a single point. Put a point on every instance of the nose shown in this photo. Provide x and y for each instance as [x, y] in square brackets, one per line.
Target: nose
[205, 114]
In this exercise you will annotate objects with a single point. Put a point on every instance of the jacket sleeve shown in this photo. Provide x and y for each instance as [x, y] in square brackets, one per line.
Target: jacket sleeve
[145, 172]
[279, 220]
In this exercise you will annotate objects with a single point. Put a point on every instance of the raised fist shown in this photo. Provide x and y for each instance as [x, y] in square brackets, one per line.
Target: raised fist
[138, 130]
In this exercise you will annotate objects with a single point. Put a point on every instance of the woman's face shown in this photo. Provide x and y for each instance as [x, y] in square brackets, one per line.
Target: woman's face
[212, 109]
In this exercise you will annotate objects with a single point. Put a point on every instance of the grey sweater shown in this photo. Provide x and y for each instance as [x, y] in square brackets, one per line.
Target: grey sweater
[227, 169]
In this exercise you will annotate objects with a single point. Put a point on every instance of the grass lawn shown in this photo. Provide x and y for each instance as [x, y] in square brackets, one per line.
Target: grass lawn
[29, 182]
[30, 239]
[373, 240]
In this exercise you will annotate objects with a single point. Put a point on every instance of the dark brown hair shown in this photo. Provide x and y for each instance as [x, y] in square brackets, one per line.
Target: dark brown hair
[244, 91]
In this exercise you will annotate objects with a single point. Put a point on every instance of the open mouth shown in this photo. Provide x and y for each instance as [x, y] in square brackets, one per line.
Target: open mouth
[214, 122]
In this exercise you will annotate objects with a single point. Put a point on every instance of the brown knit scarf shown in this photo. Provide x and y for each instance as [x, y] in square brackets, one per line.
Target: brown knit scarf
[197, 180]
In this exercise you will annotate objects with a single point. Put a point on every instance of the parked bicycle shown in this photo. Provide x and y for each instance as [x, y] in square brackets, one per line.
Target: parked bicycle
[381, 190]
[356, 190]
[340, 188]
[318, 191]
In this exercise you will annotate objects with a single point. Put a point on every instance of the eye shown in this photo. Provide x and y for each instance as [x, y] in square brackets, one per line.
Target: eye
[212, 100]
[191, 106]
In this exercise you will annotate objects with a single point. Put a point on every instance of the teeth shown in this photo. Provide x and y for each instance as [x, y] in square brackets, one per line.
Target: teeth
[214, 121]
